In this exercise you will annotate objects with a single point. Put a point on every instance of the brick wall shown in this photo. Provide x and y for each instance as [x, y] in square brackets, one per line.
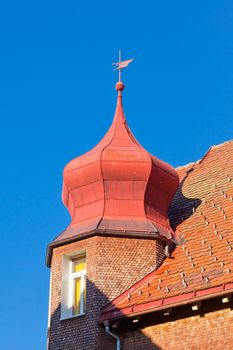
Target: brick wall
[113, 265]
[210, 328]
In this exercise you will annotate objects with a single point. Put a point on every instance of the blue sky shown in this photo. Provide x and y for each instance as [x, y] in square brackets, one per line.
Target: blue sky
[57, 100]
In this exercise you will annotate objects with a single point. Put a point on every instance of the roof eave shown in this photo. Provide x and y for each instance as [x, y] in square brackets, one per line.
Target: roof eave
[98, 232]
[161, 304]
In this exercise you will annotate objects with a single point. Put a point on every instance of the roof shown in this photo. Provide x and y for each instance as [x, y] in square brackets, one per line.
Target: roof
[202, 267]
[118, 185]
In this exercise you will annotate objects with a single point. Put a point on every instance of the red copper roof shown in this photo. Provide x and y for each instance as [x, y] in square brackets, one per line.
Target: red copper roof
[202, 210]
[118, 185]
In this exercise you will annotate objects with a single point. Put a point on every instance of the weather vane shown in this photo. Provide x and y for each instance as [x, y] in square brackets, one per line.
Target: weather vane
[121, 64]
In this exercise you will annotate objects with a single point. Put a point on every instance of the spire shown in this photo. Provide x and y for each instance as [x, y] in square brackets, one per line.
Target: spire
[119, 113]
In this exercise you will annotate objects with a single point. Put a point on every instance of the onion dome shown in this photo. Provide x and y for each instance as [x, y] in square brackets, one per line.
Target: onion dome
[118, 186]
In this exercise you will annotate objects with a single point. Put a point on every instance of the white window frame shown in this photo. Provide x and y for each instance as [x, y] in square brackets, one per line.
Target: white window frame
[68, 285]
[73, 275]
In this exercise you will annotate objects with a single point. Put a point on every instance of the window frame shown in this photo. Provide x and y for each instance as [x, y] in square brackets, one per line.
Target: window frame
[68, 285]
[73, 275]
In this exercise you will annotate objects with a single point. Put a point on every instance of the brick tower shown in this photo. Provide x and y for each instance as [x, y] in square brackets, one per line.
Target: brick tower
[118, 197]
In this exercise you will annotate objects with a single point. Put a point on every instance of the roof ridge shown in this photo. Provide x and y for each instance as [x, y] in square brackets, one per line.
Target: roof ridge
[188, 165]
[221, 144]
[213, 147]
[180, 167]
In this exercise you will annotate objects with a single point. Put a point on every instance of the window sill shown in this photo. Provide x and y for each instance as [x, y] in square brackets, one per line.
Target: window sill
[69, 317]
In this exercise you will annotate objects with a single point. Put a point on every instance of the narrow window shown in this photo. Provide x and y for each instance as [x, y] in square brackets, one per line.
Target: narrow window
[73, 285]
[78, 285]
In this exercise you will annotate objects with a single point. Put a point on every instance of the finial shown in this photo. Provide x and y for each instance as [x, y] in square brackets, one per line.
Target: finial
[119, 66]
[119, 86]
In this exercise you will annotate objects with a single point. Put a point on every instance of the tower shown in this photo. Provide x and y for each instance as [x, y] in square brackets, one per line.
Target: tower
[118, 197]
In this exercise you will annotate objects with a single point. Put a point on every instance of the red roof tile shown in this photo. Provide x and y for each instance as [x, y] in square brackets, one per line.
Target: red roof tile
[202, 210]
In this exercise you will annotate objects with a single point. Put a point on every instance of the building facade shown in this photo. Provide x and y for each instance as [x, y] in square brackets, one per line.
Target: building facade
[146, 261]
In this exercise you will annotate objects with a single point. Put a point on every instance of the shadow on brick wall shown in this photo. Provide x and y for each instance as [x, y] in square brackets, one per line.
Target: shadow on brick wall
[85, 333]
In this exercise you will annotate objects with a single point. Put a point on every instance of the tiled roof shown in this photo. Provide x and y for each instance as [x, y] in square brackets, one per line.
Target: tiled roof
[203, 211]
